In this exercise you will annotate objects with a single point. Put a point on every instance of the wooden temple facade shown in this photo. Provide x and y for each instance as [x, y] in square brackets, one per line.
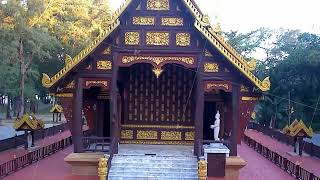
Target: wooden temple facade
[157, 74]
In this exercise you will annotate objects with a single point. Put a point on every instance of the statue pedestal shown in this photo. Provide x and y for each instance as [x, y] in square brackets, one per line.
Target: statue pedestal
[215, 155]
[84, 164]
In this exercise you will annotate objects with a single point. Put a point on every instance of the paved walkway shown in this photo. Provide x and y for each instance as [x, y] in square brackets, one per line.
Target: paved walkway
[311, 164]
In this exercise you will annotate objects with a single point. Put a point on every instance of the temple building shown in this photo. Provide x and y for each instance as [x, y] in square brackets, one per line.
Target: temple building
[158, 74]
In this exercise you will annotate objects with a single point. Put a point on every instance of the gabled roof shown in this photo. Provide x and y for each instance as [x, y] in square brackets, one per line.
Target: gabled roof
[28, 122]
[297, 127]
[201, 23]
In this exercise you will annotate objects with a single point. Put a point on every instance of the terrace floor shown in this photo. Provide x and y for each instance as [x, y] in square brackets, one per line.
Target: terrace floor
[54, 167]
[312, 164]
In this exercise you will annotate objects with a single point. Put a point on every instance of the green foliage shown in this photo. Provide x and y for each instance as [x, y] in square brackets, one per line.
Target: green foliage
[292, 60]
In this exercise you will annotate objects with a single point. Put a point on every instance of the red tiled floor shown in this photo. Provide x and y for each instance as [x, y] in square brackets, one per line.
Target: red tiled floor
[311, 164]
[50, 168]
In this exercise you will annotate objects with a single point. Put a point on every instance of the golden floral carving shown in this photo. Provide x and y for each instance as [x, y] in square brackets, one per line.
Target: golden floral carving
[71, 85]
[132, 38]
[158, 59]
[156, 142]
[207, 53]
[218, 85]
[211, 67]
[183, 39]
[158, 38]
[143, 20]
[147, 134]
[104, 65]
[103, 168]
[189, 136]
[64, 95]
[172, 21]
[90, 83]
[107, 51]
[156, 126]
[244, 88]
[171, 135]
[158, 5]
[126, 134]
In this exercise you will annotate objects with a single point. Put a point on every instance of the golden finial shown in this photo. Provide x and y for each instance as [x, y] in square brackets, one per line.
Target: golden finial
[202, 169]
[46, 81]
[252, 64]
[67, 59]
[205, 20]
[103, 168]
[266, 84]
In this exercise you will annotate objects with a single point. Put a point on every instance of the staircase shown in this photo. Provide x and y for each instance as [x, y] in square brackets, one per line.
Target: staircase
[153, 167]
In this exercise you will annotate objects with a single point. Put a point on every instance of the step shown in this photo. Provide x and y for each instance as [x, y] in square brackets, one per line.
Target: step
[150, 178]
[153, 169]
[155, 157]
[158, 165]
[155, 175]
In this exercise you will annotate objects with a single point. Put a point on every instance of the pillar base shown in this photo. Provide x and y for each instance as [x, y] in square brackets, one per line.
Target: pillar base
[84, 164]
[233, 166]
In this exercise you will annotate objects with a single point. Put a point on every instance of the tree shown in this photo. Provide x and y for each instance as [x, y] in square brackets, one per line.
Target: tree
[23, 44]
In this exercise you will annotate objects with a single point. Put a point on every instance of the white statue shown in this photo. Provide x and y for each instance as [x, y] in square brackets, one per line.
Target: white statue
[216, 127]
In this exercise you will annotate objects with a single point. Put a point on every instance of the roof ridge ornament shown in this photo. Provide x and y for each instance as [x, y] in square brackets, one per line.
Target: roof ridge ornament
[205, 21]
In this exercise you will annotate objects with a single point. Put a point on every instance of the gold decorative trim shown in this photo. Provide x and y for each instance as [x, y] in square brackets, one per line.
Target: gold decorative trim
[132, 38]
[48, 82]
[207, 53]
[71, 85]
[218, 85]
[147, 134]
[158, 38]
[243, 88]
[171, 135]
[169, 21]
[107, 51]
[126, 134]
[211, 67]
[183, 39]
[158, 59]
[91, 83]
[252, 65]
[189, 136]
[104, 65]
[264, 85]
[146, 21]
[156, 126]
[245, 98]
[156, 142]
[158, 5]
[64, 95]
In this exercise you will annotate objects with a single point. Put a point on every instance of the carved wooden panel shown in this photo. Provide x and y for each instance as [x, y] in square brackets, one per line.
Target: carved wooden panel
[104, 65]
[171, 21]
[158, 38]
[132, 38]
[163, 100]
[211, 67]
[158, 5]
[183, 39]
[143, 21]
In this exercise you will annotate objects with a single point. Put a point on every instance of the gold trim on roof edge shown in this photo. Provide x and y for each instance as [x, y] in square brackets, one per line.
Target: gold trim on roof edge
[47, 82]
[203, 20]
[262, 85]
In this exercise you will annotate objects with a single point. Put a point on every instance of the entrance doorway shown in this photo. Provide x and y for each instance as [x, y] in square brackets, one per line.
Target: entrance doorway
[103, 118]
[208, 119]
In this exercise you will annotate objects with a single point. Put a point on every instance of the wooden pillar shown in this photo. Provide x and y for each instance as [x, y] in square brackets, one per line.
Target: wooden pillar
[235, 119]
[198, 116]
[77, 117]
[114, 120]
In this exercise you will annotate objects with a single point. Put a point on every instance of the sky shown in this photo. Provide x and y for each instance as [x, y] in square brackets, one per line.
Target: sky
[247, 15]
